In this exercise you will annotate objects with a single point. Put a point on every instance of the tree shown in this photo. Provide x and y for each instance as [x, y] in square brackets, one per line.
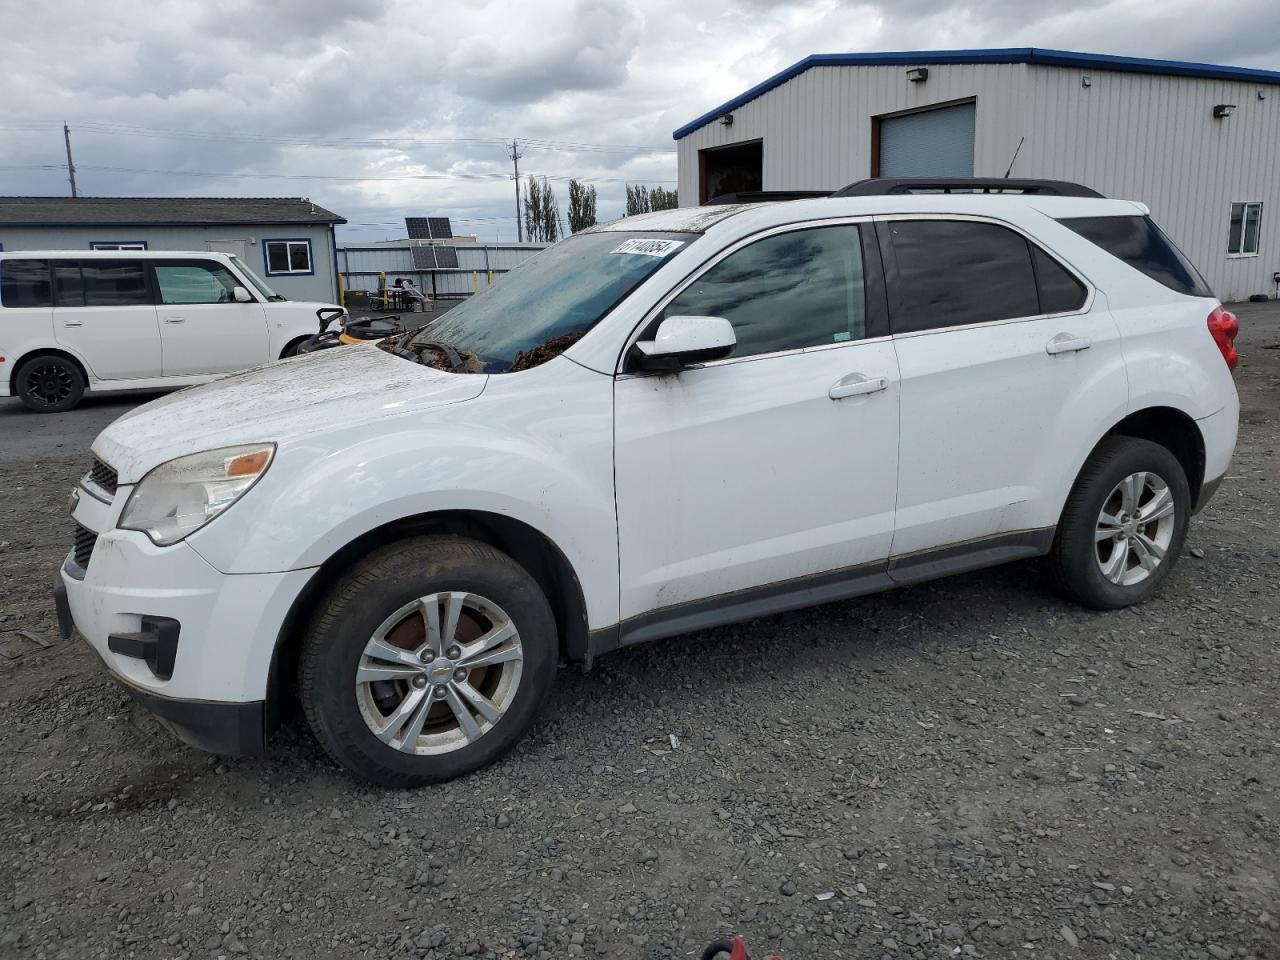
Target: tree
[541, 212]
[637, 199]
[582, 206]
[662, 199]
[550, 214]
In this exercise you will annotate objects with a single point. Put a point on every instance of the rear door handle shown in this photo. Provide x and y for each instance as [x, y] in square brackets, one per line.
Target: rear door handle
[856, 384]
[73, 323]
[174, 319]
[1066, 343]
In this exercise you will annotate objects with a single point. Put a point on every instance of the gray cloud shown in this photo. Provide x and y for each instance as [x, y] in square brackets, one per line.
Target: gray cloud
[444, 83]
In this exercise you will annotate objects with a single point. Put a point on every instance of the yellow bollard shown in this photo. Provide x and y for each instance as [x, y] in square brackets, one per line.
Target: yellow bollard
[475, 282]
[342, 292]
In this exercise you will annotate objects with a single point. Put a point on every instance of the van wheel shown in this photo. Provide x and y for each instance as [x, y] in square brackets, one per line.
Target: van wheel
[428, 660]
[49, 384]
[293, 347]
[1124, 525]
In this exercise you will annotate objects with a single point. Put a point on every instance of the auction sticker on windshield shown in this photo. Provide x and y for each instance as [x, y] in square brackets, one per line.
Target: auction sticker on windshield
[649, 246]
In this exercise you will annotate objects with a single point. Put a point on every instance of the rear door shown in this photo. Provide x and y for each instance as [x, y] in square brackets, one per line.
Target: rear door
[1008, 359]
[203, 328]
[103, 311]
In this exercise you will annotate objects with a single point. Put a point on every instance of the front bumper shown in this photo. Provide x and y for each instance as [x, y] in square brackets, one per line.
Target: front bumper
[212, 687]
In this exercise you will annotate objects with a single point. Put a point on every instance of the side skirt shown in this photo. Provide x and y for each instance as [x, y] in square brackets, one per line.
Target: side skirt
[822, 588]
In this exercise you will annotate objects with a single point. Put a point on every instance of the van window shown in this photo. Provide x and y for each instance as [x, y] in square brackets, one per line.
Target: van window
[115, 283]
[195, 281]
[1142, 245]
[25, 283]
[68, 287]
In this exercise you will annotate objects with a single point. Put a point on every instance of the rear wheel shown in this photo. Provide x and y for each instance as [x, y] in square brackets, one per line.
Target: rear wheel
[428, 660]
[49, 384]
[1124, 525]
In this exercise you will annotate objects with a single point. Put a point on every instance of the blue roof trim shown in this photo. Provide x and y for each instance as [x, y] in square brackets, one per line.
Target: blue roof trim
[1035, 55]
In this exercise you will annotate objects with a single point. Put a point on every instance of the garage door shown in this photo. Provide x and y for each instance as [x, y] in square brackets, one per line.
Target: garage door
[936, 143]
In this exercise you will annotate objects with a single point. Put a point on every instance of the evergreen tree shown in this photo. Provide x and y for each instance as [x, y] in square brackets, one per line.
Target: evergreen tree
[533, 210]
[662, 199]
[637, 199]
[582, 206]
[550, 214]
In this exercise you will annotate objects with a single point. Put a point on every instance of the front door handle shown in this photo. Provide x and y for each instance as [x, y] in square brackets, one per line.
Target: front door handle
[856, 384]
[174, 319]
[1066, 343]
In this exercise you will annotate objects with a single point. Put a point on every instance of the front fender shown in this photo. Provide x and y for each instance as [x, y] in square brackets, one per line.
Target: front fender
[538, 449]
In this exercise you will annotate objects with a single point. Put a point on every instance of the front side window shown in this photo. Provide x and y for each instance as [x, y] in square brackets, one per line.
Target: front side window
[256, 280]
[114, 283]
[958, 272]
[1246, 225]
[195, 281]
[118, 245]
[792, 290]
[287, 256]
[25, 283]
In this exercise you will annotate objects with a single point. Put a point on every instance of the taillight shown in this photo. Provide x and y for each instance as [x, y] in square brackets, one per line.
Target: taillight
[1223, 327]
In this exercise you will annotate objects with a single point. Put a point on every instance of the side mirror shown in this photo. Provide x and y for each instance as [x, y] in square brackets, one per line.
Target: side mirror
[681, 341]
[242, 295]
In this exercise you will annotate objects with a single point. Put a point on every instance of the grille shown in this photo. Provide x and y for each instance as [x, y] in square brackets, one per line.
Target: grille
[85, 539]
[103, 476]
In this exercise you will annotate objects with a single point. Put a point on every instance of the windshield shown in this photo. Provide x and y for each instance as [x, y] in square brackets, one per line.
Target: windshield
[256, 280]
[542, 306]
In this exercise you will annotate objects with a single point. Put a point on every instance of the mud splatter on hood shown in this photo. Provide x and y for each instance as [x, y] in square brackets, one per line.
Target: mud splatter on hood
[277, 402]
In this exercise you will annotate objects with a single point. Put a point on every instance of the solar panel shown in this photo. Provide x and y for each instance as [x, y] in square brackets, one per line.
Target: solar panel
[424, 257]
[419, 227]
[440, 227]
[446, 258]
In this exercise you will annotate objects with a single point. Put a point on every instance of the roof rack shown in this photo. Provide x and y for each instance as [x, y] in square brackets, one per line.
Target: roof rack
[766, 196]
[883, 186]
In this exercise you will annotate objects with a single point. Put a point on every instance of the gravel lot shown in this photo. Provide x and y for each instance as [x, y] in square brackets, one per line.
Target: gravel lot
[970, 767]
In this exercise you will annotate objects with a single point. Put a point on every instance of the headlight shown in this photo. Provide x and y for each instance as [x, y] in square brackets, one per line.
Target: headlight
[177, 498]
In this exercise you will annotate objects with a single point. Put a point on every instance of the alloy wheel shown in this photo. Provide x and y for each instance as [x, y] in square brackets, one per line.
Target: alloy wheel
[1134, 529]
[439, 673]
[50, 383]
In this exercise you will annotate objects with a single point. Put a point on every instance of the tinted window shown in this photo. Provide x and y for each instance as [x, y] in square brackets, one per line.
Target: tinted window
[114, 283]
[197, 281]
[954, 272]
[68, 289]
[1060, 292]
[25, 283]
[1141, 244]
[791, 290]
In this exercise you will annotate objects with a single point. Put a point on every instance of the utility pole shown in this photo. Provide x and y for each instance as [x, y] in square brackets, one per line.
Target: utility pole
[71, 167]
[515, 156]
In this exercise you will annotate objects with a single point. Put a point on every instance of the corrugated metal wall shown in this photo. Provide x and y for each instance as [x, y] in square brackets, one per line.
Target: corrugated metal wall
[1138, 136]
[361, 266]
[320, 286]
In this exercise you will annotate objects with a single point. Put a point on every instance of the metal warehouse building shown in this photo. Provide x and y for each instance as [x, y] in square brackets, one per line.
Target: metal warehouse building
[288, 240]
[1199, 144]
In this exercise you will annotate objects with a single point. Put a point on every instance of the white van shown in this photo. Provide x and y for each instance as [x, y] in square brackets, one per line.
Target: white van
[114, 320]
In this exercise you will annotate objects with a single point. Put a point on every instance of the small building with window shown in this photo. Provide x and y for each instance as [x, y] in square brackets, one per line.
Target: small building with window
[287, 240]
[1197, 143]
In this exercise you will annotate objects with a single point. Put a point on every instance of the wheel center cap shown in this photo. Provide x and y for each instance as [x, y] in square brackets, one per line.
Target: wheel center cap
[439, 670]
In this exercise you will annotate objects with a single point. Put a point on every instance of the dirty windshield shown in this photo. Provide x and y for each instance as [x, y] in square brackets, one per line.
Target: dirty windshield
[540, 308]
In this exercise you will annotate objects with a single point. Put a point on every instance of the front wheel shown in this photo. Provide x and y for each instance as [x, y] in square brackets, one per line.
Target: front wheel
[1124, 525]
[427, 661]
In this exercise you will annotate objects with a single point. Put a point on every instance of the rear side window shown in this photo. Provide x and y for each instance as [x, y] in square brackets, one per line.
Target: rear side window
[114, 283]
[1142, 245]
[957, 272]
[25, 283]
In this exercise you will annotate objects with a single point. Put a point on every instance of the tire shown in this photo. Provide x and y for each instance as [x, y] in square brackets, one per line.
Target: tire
[1086, 562]
[293, 348]
[49, 383]
[382, 598]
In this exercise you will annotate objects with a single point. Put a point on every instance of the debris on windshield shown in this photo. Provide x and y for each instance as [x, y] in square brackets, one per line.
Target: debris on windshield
[544, 351]
[431, 353]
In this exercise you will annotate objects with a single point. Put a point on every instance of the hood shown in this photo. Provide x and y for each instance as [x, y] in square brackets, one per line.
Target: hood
[278, 402]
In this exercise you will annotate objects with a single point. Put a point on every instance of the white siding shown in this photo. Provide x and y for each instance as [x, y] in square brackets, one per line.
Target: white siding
[1138, 136]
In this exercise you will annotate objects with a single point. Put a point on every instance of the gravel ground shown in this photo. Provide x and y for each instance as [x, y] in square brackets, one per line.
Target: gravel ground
[966, 768]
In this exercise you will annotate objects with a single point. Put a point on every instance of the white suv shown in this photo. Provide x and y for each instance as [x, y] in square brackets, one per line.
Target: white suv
[77, 320]
[658, 425]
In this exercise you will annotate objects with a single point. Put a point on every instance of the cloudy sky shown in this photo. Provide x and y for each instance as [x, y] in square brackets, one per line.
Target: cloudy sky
[379, 109]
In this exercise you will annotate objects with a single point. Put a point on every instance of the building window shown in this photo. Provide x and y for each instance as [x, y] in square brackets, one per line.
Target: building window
[118, 245]
[1246, 225]
[287, 256]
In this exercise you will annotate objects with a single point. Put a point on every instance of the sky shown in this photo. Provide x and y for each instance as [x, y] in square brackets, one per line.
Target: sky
[381, 109]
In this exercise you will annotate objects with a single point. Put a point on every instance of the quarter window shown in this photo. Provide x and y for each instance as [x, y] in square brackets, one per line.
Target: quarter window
[114, 283]
[956, 272]
[1246, 225]
[195, 282]
[791, 290]
[25, 283]
[1060, 292]
[287, 256]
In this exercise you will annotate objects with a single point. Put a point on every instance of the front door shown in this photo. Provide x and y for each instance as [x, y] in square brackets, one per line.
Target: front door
[204, 329]
[763, 473]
